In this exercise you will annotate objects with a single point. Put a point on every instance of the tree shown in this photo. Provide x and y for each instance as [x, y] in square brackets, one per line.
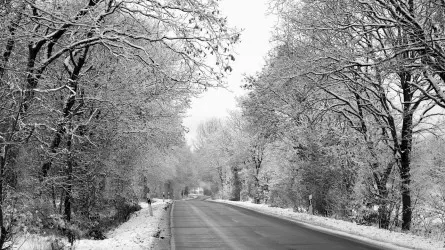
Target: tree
[65, 64]
[224, 148]
[365, 68]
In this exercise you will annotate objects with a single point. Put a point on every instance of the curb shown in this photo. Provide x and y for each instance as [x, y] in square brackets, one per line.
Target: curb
[172, 237]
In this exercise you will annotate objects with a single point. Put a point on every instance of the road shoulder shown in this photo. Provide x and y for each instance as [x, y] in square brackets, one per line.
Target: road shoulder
[172, 235]
[162, 237]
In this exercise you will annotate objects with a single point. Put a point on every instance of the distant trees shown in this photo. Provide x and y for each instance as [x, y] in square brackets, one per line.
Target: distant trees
[223, 146]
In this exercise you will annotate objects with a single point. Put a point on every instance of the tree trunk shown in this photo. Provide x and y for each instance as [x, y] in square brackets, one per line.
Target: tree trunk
[257, 159]
[405, 148]
[53, 194]
[3, 155]
[407, 127]
[68, 192]
[405, 175]
[257, 186]
[236, 193]
[67, 111]
[383, 217]
[380, 177]
[384, 214]
[396, 217]
[3, 232]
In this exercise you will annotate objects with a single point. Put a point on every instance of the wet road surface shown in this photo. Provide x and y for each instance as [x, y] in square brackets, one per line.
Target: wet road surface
[210, 225]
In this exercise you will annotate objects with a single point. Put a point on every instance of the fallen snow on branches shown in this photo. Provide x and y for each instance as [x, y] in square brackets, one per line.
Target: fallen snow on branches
[381, 237]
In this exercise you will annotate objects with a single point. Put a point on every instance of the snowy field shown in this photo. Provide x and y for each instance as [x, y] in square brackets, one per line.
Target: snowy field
[383, 238]
[135, 234]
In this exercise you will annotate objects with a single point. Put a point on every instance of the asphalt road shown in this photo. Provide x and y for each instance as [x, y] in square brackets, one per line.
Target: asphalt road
[209, 225]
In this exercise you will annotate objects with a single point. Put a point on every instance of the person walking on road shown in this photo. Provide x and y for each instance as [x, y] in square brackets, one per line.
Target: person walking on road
[150, 210]
[163, 196]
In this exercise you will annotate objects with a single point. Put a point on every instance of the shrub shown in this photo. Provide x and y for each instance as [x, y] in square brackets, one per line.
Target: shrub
[122, 214]
[124, 210]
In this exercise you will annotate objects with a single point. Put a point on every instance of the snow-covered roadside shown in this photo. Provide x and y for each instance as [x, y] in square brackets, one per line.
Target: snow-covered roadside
[137, 233]
[373, 235]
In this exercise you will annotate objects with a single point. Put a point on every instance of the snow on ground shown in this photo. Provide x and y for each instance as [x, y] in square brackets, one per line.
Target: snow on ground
[373, 235]
[137, 233]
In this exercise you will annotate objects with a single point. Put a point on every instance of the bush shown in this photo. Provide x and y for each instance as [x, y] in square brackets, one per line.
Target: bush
[122, 214]
[367, 216]
[124, 210]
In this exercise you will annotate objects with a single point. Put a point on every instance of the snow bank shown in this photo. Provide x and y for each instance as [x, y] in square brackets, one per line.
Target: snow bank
[373, 235]
[137, 233]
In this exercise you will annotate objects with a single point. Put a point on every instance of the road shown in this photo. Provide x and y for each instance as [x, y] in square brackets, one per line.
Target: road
[209, 225]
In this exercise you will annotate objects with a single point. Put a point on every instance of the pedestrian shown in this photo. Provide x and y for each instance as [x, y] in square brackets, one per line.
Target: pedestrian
[163, 196]
[150, 210]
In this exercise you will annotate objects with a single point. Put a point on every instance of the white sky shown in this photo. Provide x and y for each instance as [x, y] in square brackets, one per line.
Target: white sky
[249, 15]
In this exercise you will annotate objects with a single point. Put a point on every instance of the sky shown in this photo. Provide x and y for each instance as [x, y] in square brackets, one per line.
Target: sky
[250, 16]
